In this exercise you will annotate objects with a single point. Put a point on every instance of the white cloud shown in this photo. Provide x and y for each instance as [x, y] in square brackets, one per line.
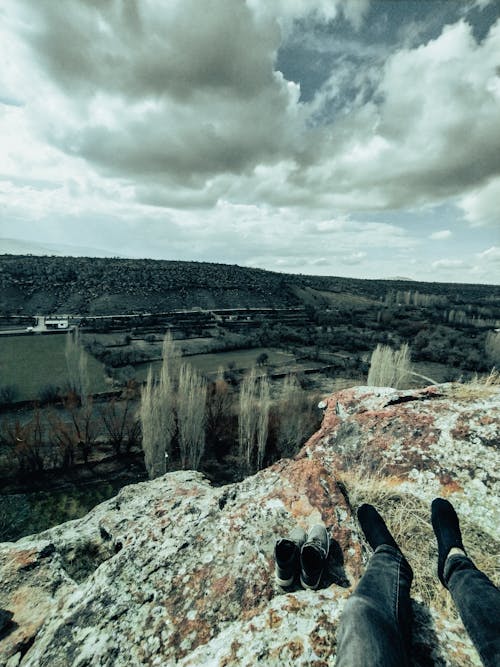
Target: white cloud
[481, 206]
[288, 11]
[490, 255]
[441, 235]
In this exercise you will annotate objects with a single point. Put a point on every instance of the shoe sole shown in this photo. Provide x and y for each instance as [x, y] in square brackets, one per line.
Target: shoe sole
[284, 582]
[307, 586]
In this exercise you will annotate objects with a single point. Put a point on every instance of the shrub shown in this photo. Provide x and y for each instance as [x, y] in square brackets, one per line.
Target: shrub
[262, 359]
[49, 393]
[389, 368]
[8, 394]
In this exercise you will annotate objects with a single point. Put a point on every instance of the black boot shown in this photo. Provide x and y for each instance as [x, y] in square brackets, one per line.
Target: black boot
[447, 530]
[374, 528]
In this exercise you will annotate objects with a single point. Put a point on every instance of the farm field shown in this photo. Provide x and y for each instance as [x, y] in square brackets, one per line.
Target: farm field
[32, 362]
[243, 359]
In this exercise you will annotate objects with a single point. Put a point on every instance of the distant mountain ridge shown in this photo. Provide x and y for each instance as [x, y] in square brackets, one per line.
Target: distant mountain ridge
[20, 247]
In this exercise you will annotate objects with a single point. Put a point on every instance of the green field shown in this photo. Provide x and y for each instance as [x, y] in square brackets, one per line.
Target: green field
[210, 363]
[32, 362]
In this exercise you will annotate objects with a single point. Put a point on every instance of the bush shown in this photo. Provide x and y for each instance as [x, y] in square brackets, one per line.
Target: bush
[8, 394]
[262, 359]
[49, 393]
[389, 368]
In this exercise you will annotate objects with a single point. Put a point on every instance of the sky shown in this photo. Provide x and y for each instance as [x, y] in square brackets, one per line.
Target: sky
[333, 137]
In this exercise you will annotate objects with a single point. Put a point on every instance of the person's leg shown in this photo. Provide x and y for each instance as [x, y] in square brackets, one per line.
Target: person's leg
[375, 627]
[475, 596]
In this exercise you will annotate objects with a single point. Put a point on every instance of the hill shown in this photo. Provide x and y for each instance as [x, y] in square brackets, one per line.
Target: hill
[83, 285]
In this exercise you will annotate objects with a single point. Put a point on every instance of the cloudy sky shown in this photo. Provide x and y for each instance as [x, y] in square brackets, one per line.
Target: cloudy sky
[336, 137]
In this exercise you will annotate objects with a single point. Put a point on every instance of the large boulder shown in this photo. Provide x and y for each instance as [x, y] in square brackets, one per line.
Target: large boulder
[177, 572]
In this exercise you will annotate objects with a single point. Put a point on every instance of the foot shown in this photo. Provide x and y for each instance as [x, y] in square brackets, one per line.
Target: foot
[374, 528]
[447, 530]
[287, 555]
[313, 556]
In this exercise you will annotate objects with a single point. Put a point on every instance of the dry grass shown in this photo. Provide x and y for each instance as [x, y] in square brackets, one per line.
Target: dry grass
[408, 518]
[478, 386]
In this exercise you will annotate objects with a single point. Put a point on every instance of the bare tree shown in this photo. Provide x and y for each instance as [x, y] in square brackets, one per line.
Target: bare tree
[263, 406]
[25, 441]
[114, 416]
[219, 409]
[389, 368]
[77, 365]
[78, 430]
[492, 346]
[156, 411]
[191, 416]
[294, 416]
[253, 420]
[247, 418]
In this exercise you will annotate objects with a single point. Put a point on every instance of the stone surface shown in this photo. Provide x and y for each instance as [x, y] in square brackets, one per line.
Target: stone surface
[176, 572]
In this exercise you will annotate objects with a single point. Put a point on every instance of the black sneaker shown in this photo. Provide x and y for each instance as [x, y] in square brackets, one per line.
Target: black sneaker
[286, 556]
[313, 556]
[447, 530]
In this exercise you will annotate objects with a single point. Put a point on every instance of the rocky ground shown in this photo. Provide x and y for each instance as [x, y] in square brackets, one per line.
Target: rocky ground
[177, 572]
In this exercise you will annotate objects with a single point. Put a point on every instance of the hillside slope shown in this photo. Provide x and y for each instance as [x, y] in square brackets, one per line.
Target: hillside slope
[80, 285]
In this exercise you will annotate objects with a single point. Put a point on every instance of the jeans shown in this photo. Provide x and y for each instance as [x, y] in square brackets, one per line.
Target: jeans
[478, 602]
[375, 628]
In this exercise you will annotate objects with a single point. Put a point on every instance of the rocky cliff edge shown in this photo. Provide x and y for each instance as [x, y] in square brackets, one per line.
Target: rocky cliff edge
[177, 572]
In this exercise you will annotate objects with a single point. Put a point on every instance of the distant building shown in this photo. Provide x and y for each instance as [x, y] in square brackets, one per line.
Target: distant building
[56, 323]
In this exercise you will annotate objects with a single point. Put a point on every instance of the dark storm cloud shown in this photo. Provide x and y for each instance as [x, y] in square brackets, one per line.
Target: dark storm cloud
[148, 48]
[173, 93]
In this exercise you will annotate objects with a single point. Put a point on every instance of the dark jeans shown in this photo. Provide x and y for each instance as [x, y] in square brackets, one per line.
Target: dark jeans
[376, 622]
[375, 628]
[478, 602]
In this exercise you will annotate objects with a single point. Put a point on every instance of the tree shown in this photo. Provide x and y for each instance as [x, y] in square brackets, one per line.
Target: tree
[294, 416]
[114, 416]
[492, 346]
[247, 418]
[25, 442]
[219, 409]
[76, 363]
[253, 420]
[156, 411]
[191, 416]
[263, 406]
[389, 368]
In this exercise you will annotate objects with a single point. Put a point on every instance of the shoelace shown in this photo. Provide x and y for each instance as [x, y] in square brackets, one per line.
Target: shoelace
[316, 543]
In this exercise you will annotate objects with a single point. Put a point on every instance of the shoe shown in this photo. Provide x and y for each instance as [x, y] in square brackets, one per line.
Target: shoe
[313, 556]
[286, 556]
[447, 530]
[374, 528]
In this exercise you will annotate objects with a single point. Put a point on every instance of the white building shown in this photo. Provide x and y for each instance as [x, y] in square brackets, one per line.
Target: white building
[56, 323]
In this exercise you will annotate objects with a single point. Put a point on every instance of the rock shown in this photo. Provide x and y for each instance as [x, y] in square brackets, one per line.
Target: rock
[176, 572]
